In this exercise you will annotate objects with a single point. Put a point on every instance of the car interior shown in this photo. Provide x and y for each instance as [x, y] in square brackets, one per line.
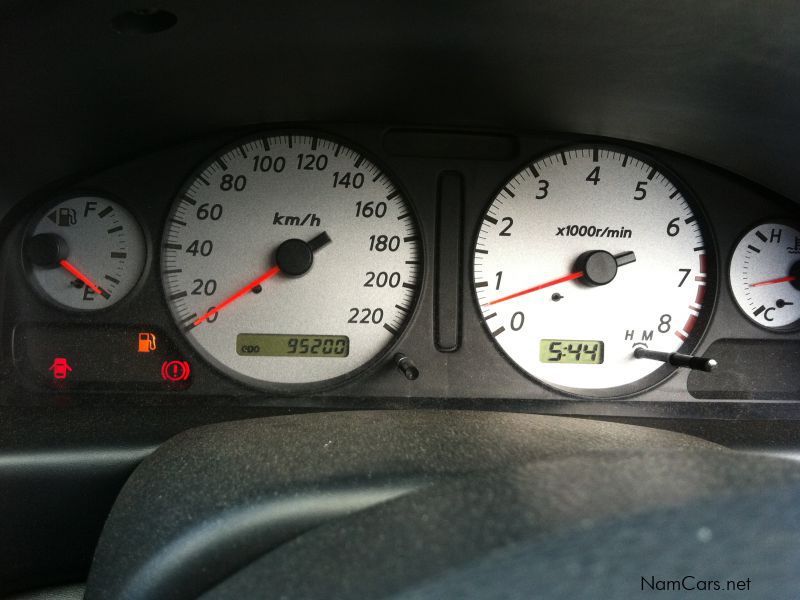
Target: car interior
[346, 300]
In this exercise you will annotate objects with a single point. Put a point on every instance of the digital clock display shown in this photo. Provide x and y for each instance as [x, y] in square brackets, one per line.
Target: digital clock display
[280, 344]
[571, 352]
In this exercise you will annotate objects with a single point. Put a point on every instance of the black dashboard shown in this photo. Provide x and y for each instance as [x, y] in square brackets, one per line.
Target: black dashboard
[451, 212]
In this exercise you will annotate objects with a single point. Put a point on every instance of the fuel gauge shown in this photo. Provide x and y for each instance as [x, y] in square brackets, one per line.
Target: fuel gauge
[85, 253]
[765, 276]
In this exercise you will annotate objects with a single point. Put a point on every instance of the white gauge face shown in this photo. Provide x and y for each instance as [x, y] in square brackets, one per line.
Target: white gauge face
[86, 253]
[291, 259]
[765, 275]
[584, 256]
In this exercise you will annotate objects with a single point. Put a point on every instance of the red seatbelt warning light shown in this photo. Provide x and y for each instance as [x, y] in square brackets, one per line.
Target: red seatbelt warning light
[175, 370]
[60, 368]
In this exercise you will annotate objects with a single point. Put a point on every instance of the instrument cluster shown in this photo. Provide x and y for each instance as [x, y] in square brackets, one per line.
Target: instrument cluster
[332, 262]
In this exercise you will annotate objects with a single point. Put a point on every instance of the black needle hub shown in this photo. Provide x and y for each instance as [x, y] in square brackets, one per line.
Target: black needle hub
[295, 257]
[600, 267]
[46, 250]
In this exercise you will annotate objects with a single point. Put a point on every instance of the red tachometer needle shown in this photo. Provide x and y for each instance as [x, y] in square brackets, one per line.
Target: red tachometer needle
[771, 281]
[233, 298]
[65, 264]
[536, 288]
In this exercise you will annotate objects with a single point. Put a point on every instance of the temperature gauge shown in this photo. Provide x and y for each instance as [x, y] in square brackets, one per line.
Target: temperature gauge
[85, 253]
[765, 276]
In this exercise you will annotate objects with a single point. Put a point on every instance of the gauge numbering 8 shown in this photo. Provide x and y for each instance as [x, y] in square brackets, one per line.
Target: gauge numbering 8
[585, 255]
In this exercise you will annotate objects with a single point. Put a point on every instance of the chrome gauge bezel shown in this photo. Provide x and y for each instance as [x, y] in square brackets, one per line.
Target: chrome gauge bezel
[695, 337]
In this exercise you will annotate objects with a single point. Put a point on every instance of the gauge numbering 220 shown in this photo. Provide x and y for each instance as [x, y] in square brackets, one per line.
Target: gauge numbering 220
[291, 259]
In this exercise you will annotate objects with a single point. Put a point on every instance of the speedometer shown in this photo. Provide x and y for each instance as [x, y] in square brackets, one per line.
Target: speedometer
[291, 259]
[586, 255]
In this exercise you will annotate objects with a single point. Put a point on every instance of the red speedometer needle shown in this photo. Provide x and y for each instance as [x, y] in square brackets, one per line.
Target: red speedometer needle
[541, 286]
[293, 258]
[72, 270]
[234, 297]
[771, 281]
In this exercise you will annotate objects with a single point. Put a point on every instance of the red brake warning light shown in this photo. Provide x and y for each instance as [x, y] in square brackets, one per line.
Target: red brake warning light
[175, 370]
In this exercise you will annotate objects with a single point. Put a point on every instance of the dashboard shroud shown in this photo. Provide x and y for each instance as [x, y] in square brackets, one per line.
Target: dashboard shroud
[449, 177]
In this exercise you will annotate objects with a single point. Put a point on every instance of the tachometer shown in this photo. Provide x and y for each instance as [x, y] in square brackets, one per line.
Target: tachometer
[586, 255]
[291, 259]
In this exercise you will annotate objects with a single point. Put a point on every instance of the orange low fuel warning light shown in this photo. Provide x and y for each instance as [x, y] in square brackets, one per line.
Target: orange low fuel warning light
[147, 342]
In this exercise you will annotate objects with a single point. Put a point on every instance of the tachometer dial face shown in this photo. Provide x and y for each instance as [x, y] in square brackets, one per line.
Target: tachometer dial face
[85, 253]
[765, 276]
[291, 260]
[585, 255]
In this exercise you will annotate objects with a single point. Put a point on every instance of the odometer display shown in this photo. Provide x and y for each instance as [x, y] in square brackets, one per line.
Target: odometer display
[291, 233]
[276, 344]
[593, 243]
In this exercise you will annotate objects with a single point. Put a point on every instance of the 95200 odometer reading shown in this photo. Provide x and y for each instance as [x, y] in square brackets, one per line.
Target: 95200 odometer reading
[586, 255]
[278, 236]
[277, 344]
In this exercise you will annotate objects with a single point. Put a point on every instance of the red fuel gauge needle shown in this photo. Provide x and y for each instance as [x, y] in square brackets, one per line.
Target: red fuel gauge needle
[234, 297]
[72, 270]
[776, 280]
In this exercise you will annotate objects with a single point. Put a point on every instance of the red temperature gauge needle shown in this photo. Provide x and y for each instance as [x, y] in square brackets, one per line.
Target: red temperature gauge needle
[233, 298]
[771, 281]
[72, 270]
[541, 286]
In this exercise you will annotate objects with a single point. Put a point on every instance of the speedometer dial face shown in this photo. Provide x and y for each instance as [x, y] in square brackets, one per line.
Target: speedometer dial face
[586, 255]
[291, 259]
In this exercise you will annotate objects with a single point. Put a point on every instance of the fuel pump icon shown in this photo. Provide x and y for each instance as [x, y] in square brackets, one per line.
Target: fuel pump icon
[147, 342]
[64, 217]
